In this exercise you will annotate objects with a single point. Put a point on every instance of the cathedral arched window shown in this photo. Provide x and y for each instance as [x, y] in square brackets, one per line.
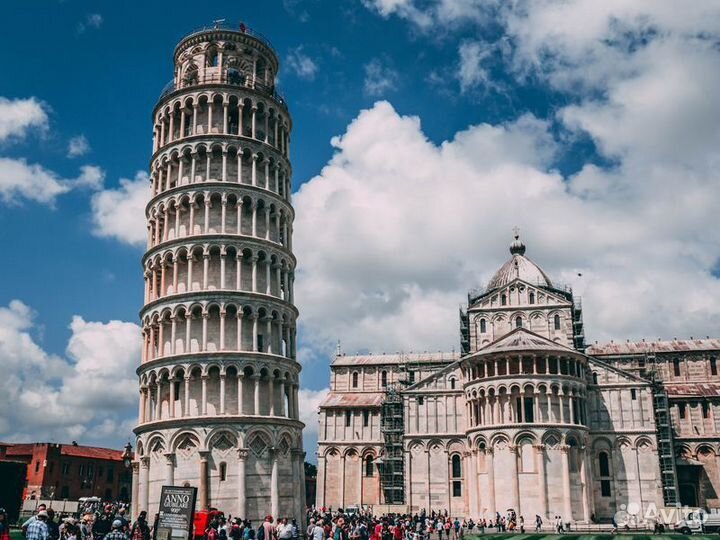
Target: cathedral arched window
[556, 322]
[456, 473]
[604, 466]
[456, 466]
[223, 472]
[595, 378]
[483, 326]
[503, 300]
[518, 322]
[383, 379]
[532, 297]
[369, 466]
[355, 379]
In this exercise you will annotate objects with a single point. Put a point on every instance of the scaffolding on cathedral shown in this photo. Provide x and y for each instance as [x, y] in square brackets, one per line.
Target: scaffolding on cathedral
[392, 466]
[665, 443]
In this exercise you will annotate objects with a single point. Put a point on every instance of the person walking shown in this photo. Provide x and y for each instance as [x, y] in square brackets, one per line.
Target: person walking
[538, 523]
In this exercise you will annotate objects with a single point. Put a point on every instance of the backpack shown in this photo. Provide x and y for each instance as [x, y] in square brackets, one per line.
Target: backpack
[260, 532]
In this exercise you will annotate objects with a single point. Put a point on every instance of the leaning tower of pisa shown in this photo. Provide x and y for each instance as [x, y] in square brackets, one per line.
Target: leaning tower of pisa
[219, 376]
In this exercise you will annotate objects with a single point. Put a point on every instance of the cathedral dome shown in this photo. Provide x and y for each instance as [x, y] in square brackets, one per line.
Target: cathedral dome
[518, 267]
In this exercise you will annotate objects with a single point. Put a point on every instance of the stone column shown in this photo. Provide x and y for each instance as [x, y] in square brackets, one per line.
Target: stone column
[471, 481]
[274, 483]
[240, 378]
[203, 409]
[320, 488]
[514, 478]
[490, 464]
[271, 394]
[203, 491]
[256, 394]
[144, 483]
[542, 479]
[222, 393]
[585, 488]
[342, 481]
[241, 489]
[135, 489]
[186, 409]
[169, 469]
[565, 466]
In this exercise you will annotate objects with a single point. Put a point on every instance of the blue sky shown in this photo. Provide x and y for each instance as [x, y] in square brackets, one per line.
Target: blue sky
[423, 132]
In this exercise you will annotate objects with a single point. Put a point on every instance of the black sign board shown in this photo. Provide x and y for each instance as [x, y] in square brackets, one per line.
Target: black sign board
[177, 510]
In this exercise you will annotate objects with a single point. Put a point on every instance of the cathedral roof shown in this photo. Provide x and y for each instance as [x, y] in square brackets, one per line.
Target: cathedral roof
[521, 339]
[396, 358]
[519, 267]
[642, 347]
[353, 399]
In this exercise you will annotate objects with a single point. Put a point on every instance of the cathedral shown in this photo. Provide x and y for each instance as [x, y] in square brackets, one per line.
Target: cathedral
[526, 417]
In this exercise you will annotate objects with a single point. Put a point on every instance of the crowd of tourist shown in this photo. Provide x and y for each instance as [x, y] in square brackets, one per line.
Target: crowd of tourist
[324, 524]
[109, 522]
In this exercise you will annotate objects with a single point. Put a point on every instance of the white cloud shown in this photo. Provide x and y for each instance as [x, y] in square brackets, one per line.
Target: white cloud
[120, 213]
[91, 21]
[379, 78]
[78, 146]
[409, 226]
[17, 116]
[309, 401]
[471, 72]
[89, 395]
[20, 180]
[301, 64]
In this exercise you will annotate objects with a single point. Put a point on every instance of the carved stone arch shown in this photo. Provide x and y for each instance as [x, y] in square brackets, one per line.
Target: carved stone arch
[416, 447]
[435, 445]
[525, 437]
[705, 451]
[259, 441]
[185, 443]
[331, 451]
[552, 439]
[499, 440]
[623, 442]
[602, 443]
[222, 440]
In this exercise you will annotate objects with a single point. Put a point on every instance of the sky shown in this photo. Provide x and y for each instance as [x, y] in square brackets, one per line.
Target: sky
[423, 132]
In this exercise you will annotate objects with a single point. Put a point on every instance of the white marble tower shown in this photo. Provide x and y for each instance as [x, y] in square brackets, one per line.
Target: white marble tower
[219, 377]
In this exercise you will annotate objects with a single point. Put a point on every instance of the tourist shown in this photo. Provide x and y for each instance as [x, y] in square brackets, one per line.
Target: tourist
[52, 525]
[211, 533]
[4, 525]
[318, 532]
[103, 523]
[284, 530]
[40, 508]
[125, 522]
[140, 529]
[267, 530]
[37, 529]
[116, 532]
[249, 532]
[538, 523]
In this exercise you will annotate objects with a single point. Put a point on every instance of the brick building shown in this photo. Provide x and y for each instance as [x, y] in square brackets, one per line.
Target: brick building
[70, 471]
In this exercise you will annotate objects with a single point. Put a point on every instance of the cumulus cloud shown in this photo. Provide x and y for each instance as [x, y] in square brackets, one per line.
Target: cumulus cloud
[379, 78]
[78, 146]
[301, 64]
[20, 180]
[89, 394]
[17, 116]
[309, 401]
[120, 213]
[409, 225]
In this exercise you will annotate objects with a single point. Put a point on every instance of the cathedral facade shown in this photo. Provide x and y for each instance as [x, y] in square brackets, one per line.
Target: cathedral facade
[525, 417]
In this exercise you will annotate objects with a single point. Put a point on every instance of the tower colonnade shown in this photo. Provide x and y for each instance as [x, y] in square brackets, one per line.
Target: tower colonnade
[219, 379]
